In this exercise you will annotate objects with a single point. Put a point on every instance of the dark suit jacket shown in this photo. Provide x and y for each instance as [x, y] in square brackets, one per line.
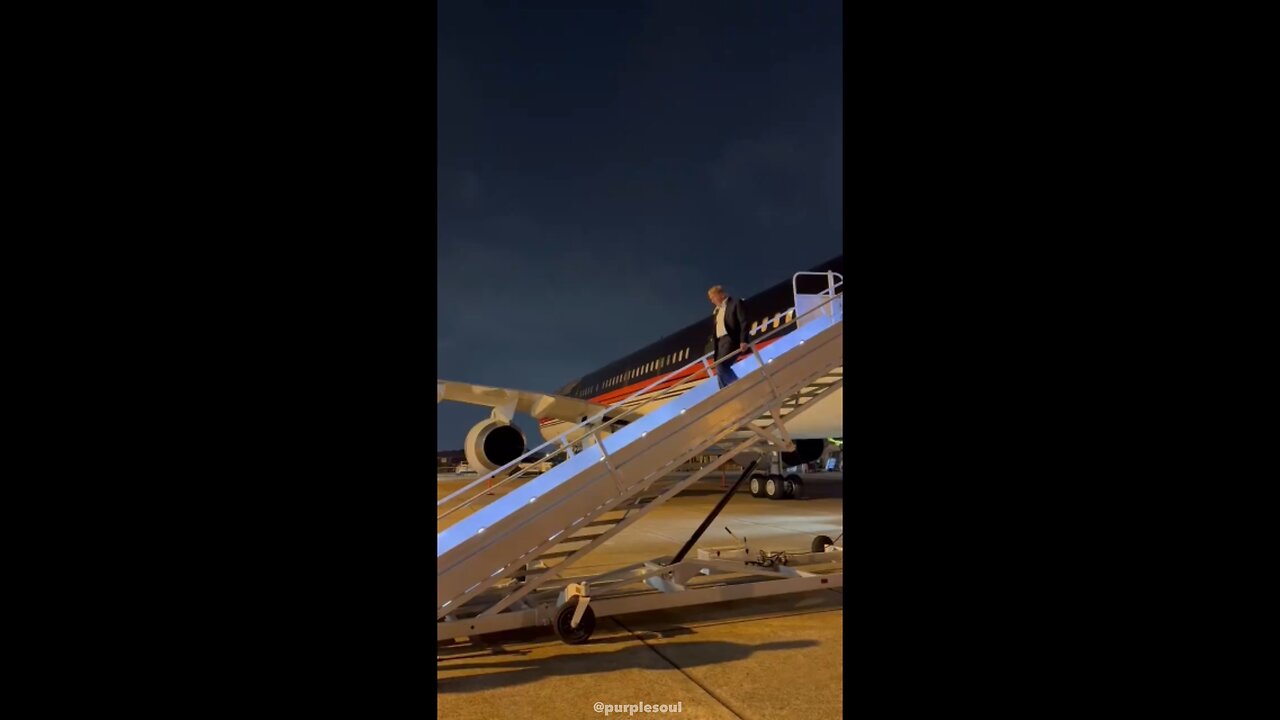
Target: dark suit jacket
[735, 322]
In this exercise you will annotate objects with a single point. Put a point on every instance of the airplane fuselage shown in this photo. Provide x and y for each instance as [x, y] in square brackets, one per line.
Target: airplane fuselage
[620, 381]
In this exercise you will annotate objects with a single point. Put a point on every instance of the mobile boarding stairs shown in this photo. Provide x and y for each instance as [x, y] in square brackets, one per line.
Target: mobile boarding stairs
[503, 566]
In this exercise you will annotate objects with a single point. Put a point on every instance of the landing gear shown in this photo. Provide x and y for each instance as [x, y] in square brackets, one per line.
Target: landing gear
[773, 487]
[795, 485]
[564, 622]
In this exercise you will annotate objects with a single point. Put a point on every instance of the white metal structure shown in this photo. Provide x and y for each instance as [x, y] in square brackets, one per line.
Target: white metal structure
[503, 565]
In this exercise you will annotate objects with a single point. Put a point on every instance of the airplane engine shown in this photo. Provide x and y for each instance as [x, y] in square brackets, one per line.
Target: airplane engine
[806, 452]
[492, 444]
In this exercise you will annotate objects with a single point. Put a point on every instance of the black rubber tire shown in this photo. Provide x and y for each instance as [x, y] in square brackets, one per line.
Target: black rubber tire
[773, 487]
[564, 617]
[788, 489]
[756, 483]
[820, 544]
[797, 485]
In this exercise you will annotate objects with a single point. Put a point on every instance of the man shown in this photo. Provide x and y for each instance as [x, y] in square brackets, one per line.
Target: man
[729, 322]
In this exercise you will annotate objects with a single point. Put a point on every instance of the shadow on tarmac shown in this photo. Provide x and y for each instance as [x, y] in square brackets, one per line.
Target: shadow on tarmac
[521, 670]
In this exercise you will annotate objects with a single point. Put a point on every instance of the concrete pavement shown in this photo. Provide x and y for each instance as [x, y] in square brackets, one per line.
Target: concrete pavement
[769, 658]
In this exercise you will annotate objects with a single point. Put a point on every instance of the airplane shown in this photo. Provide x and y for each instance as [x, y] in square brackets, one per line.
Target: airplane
[494, 442]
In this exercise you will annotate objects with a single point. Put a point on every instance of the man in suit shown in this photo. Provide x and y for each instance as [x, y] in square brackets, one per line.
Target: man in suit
[729, 331]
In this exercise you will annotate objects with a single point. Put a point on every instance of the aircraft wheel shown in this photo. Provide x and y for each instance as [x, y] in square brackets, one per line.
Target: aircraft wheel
[788, 489]
[757, 485]
[564, 620]
[797, 485]
[820, 544]
[773, 487]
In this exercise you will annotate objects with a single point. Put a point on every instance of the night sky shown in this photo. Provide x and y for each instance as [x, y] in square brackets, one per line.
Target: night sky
[602, 163]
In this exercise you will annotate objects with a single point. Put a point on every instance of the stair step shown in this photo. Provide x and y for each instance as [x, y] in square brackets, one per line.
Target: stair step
[556, 554]
[603, 523]
[582, 538]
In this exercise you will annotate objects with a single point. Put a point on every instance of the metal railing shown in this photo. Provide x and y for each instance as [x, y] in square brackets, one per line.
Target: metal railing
[593, 430]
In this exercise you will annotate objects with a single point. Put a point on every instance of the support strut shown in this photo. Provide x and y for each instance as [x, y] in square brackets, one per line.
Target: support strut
[714, 512]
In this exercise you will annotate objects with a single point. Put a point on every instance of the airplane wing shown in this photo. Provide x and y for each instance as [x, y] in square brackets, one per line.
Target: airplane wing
[506, 402]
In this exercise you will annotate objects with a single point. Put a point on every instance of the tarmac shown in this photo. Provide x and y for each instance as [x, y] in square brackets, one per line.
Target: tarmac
[765, 658]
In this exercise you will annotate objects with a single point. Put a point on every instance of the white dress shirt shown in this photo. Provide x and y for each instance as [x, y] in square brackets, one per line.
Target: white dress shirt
[720, 331]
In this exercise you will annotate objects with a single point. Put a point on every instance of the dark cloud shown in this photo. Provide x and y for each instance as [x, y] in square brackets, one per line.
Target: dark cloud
[600, 165]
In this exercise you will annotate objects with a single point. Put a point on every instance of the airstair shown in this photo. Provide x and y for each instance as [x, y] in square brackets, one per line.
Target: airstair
[504, 564]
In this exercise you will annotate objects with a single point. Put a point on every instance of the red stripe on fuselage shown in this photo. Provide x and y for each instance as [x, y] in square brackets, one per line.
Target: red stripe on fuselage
[614, 396]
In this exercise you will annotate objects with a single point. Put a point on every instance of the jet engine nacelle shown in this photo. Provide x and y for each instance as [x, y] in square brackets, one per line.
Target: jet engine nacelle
[492, 444]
